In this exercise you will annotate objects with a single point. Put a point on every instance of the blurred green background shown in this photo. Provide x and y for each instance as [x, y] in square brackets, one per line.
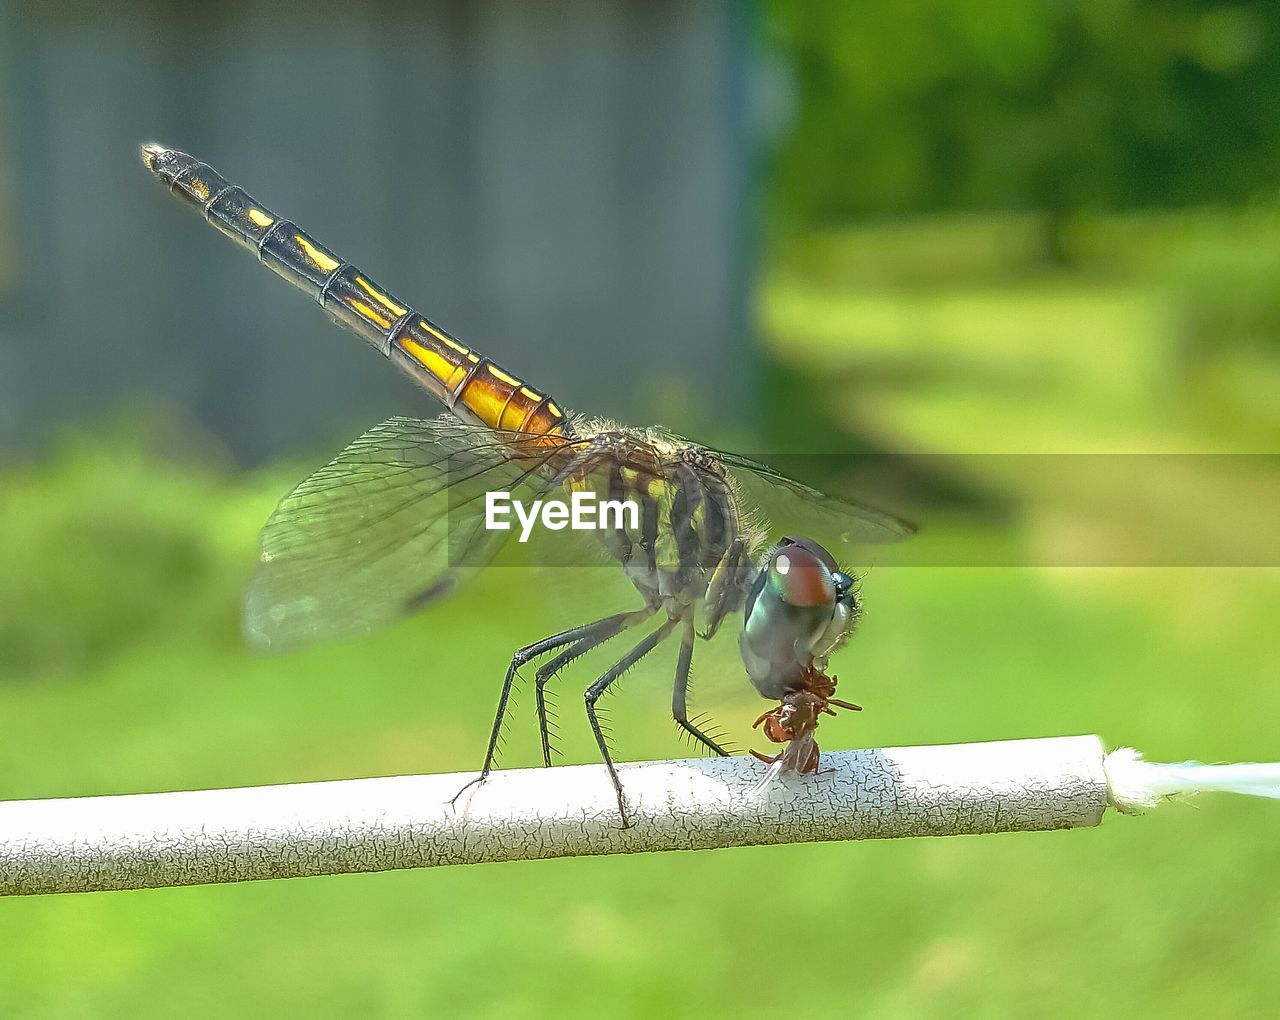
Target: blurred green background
[1023, 227]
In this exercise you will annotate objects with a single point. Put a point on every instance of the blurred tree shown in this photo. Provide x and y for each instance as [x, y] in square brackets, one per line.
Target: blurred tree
[1025, 104]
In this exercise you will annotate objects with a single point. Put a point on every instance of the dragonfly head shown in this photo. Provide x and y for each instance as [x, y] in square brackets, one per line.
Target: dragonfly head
[801, 608]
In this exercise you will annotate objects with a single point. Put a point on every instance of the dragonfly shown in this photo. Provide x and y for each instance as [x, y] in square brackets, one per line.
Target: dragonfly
[397, 519]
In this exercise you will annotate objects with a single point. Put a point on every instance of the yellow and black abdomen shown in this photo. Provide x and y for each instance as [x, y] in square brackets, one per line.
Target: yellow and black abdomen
[473, 387]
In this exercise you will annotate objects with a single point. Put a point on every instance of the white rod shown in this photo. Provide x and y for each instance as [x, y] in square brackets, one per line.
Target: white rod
[170, 839]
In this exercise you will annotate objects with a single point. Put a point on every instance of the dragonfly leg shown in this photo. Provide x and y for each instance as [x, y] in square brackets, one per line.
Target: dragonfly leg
[521, 657]
[728, 581]
[598, 688]
[680, 693]
[599, 632]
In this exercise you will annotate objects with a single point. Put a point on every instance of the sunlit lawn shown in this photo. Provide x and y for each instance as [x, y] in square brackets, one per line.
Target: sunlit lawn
[121, 670]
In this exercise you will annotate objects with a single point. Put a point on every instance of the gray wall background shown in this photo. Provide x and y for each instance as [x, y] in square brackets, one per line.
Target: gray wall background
[563, 184]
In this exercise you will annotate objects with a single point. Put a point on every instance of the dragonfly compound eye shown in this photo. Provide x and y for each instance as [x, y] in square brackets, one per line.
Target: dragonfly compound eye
[799, 578]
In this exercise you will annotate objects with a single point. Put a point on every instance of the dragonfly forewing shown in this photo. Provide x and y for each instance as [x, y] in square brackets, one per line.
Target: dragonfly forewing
[384, 526]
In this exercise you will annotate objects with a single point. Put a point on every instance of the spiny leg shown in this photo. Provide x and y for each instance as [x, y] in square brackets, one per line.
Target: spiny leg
[522, 656]
[545, 673]
[729, 582]
[602, 631]
[680, 693]
[637, 653]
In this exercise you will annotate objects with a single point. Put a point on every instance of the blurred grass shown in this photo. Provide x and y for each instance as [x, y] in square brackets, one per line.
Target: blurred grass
[121, 670]
[958, 333]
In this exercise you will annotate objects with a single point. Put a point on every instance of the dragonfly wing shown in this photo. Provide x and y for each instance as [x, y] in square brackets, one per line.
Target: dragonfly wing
[799, 509]
[386, 527]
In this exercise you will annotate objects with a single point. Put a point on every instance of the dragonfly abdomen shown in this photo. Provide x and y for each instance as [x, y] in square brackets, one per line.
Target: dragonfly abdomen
[471, 386]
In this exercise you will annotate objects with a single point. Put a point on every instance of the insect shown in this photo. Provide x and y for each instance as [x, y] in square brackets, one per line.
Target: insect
[794, 722]
[398, 517]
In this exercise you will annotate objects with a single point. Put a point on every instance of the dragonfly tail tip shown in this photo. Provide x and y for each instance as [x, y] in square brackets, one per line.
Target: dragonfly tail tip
[150, 152]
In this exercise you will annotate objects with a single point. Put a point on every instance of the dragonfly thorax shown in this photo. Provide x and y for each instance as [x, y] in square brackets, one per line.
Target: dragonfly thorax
[687, 519]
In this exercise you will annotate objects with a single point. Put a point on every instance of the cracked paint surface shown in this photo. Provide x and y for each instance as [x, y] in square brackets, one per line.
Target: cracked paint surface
[192, 838]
